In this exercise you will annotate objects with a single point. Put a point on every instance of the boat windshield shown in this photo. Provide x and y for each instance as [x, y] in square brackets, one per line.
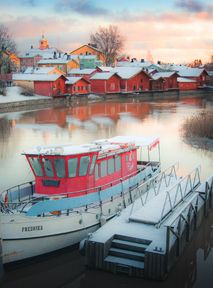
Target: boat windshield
[48, 168]
[59, 167]
[84, 163]
[36, 165]
[72, 167]
[92, 164]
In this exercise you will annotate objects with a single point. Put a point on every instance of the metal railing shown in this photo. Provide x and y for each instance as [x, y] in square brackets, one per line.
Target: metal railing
[31, 199]
[181, 189]
[155, 183]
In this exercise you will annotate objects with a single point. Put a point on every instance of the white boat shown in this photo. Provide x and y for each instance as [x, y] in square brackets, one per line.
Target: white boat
[76, 190]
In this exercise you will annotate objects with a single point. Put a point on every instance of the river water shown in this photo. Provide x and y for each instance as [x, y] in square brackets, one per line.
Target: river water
[83, 123]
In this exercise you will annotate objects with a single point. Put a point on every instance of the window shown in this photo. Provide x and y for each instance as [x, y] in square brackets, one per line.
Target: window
[92, 164]
[111, 166]
[127, 158]
[60, 167]
[97, 172]
[103, 168]
[72, 167]
[117, 163]
[84, 163]
[36, 165]
[48, 168]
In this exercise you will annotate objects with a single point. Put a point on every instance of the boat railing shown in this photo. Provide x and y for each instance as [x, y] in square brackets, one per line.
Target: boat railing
[152, 186]
[23, 194]
[178, 193]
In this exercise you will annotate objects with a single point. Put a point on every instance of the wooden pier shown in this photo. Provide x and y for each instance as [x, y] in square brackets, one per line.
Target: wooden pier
[147, 237]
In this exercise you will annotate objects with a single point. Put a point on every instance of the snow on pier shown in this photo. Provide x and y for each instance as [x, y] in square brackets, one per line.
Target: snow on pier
[146, 238]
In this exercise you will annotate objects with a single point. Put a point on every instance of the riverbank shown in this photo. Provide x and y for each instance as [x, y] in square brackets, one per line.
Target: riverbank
[37, 102]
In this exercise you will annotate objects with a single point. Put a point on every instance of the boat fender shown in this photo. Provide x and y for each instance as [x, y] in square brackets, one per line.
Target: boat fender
[82, 244]
[102, 220]
[6, 199]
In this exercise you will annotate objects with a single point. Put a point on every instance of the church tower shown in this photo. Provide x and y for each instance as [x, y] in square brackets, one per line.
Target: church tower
[43, 43]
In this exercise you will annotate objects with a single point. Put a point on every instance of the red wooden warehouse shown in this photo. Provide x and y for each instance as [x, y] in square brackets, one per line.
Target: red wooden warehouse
[186, 84]
[164, 81]
[105, 82]
[49, 85]
[77, 85]
[133, 79]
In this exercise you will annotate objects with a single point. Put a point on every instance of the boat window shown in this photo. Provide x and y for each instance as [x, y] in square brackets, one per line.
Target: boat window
[111, 166]
[36, 165]
[48, 168]
[127, 158]
[117, 163]
[103, 168]
[96, 172]
[92, 164]
[84, 163]
[72, 167]
[59, 167]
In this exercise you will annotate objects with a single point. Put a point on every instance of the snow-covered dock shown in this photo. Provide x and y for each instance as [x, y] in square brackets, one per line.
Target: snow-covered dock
[147, 237]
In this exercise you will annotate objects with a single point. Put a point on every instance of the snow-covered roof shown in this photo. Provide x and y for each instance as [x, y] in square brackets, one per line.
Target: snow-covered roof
[137, 140]
[102, 76]
[134, 64]
[190, 72]
[35, 77]
[79, 71]
[46, 53]
[182, 79]
[72, 80]
[159, 75]
[105, 68]
[127, 72]
[39, 70]
[55, 61]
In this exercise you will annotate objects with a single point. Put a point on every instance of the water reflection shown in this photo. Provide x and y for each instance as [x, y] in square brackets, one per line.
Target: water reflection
[83, 124]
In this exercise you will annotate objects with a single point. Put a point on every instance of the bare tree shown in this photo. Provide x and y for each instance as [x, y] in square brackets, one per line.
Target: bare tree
[7, 46]
[6, 41]
[109, 41]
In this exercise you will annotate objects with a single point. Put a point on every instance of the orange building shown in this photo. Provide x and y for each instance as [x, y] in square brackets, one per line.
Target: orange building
[88, 49]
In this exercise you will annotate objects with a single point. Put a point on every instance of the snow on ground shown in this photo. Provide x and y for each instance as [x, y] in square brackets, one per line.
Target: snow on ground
[13, 94]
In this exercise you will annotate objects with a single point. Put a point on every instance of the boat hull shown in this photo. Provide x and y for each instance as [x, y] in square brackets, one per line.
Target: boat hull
[28, 236]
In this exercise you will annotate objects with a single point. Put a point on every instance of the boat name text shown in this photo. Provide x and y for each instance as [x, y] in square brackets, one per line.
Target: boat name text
[32, 228]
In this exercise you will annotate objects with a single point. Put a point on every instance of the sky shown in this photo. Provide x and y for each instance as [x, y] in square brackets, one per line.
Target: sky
[175, 31]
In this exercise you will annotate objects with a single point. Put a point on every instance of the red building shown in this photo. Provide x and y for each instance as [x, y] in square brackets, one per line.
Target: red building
[105, 83]
[86, 73]
[50, 85]
[186, 84]
[164, 81]
[77, 85]
[29, 60]
[197, 74]
[133, 79]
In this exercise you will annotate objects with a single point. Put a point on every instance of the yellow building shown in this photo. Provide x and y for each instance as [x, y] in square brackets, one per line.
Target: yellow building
[63, 64]
[89, 50]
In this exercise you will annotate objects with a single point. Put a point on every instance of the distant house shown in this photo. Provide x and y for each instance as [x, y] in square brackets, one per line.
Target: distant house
[197, 74]
[164, 81]
[77, 85]
[62, 63]
[186, 84]
[89, 49]
[29, 60]
[105, 83]
[133, 79]
[86, 73]
[48, 85]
